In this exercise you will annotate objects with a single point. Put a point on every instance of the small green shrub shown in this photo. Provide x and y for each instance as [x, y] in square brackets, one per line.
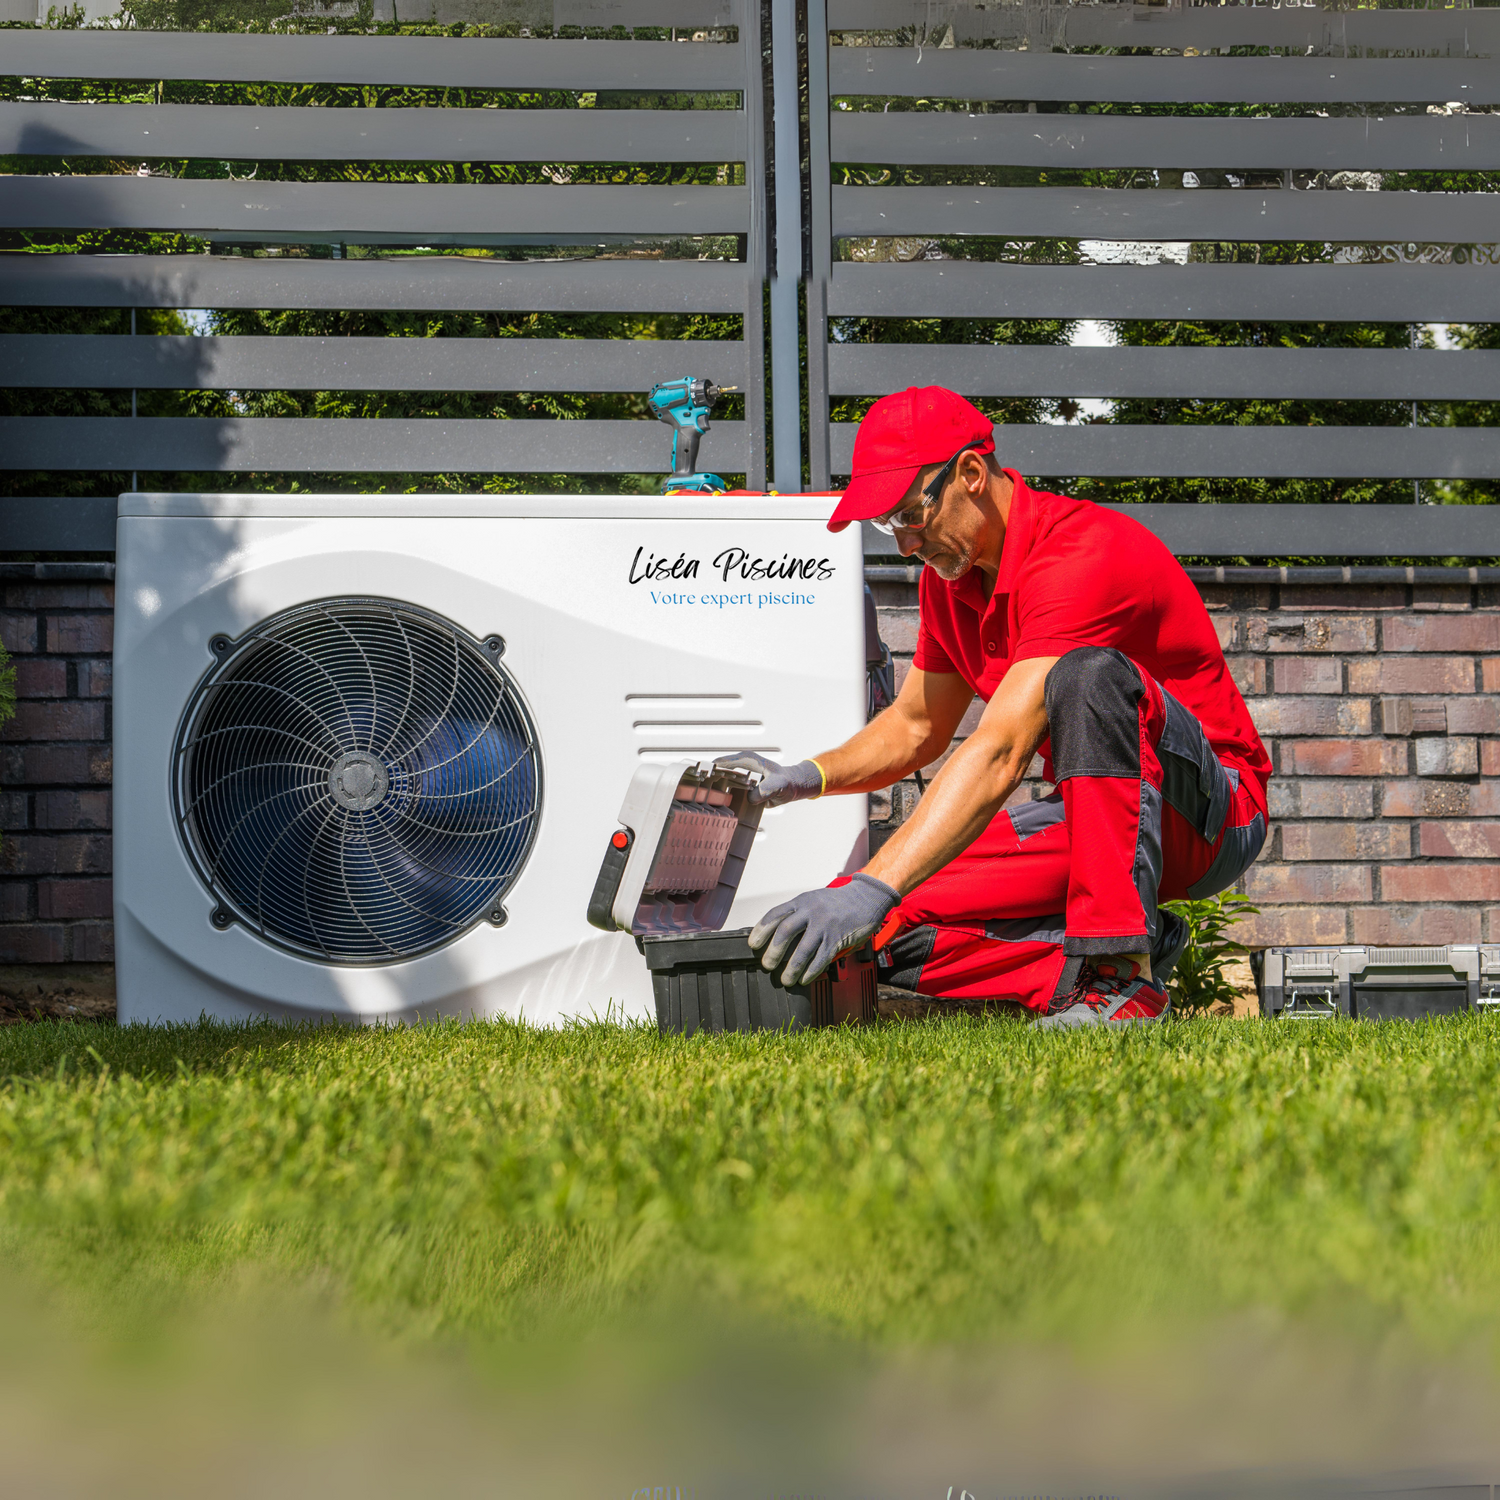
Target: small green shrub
[1199, 980]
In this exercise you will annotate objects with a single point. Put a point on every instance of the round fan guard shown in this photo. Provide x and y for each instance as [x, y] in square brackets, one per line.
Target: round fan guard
[358, 780]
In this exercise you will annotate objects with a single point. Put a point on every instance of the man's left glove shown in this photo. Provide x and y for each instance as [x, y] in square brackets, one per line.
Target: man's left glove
[819, 925]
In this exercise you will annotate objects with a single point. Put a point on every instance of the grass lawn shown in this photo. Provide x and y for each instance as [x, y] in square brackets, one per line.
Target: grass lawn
[944, 1191]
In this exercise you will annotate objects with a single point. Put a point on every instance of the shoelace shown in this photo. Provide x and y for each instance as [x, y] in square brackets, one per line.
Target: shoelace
[1093, 988]
[1083, 992]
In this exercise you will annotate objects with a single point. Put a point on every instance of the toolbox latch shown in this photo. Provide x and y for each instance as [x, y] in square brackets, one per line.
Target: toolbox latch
[607, 885]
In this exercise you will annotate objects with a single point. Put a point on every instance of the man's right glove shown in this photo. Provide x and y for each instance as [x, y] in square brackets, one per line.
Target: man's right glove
[778, 784]
[802, 937]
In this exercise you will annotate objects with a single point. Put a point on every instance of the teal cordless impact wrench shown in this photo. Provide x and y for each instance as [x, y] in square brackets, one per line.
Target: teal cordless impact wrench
[685, 406]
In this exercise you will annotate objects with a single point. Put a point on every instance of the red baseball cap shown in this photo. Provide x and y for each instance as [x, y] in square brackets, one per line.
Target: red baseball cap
[899, 436]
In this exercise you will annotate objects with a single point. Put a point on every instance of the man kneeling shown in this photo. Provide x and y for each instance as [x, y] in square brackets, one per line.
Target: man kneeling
[1086, 641]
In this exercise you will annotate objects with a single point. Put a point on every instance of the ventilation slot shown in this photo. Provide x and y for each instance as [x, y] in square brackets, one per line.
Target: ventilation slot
[672, 725]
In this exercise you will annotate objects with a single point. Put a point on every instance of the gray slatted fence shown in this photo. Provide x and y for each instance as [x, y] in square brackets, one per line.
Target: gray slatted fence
[1454, 60]
[373, 213]
[1448, 55]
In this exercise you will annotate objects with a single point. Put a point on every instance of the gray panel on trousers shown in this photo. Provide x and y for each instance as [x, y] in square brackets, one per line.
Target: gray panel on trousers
[1473, 31]
[430, 213]
[413, 61]
[1173, 452]
[1451, 142]
[356, 446]
[963, 73]
[413, 283]
[1302, 530]
[1287, 294]
[57, 523]
[249, 133]
[1167, 214]
[1038, 370]
[101, 361]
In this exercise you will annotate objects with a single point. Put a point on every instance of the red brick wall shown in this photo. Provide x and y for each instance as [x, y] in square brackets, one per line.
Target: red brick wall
[55, 765]
[1375, 697]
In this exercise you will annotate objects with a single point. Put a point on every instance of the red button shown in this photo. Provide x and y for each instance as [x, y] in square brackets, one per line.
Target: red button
[620, 839]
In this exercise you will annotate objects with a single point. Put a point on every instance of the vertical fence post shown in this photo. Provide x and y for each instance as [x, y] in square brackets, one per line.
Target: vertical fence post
[1416, 485]
[819, 167]
[786, 270]
[755, 245]
[135, 483]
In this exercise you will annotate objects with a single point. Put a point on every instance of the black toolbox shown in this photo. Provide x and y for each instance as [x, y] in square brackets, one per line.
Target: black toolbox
[669, 876]
[713, 981]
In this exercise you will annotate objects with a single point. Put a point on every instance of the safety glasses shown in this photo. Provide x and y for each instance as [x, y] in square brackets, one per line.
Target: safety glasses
[913, 515]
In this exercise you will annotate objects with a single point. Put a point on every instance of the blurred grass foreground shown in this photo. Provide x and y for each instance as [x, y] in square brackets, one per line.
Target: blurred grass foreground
[861, 1258]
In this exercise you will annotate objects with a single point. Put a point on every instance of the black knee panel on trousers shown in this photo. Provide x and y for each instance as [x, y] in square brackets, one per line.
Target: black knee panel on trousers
[1093, 700]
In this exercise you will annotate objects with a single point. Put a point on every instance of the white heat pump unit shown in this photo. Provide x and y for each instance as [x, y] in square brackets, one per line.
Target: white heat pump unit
[370, 750]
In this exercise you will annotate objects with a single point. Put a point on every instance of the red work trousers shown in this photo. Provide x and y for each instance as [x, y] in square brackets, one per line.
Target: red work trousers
[1144, 811]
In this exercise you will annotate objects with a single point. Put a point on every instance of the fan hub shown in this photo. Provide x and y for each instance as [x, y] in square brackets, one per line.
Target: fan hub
[357, 781]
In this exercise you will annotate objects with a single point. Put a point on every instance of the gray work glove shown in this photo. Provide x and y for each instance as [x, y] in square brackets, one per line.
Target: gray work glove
[819, 925]
[778, 784]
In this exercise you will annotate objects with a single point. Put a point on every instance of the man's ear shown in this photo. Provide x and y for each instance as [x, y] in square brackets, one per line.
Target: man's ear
[974, 471]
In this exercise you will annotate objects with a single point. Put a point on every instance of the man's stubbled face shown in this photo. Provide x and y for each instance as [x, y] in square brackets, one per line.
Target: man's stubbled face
[950, 540]
[948, 559]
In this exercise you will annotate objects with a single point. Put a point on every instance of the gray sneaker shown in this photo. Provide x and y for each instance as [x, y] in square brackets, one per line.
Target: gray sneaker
[1103, 996]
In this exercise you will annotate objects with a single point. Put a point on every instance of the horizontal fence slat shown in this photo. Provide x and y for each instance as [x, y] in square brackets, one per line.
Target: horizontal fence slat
[357, 446]
[101, 362]
[248, 133]
[57, 523]
[437, 213]
[1396, 143]
[1173, 452]
[1330, 530]
[1161, 214]
[415, 283]
[1450, 32]
[964, 73]
[1286, 294]
[1038, 370]
[683, 14]
[1303, 530]
[70, 524]
[410, 61]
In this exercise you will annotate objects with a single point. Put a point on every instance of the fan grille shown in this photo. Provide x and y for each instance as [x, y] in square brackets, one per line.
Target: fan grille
[358, 781]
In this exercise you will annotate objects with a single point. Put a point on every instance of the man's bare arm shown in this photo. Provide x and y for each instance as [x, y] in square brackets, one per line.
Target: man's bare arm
[910, 734]
[972, 787]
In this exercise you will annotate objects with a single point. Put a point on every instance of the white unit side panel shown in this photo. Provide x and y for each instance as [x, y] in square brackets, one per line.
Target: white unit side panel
[615, 666]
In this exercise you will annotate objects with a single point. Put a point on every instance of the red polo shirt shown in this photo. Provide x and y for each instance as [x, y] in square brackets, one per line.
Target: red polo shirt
[1074, 574]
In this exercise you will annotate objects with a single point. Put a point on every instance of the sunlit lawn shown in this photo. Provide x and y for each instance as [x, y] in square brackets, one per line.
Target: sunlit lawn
[907, 1183]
